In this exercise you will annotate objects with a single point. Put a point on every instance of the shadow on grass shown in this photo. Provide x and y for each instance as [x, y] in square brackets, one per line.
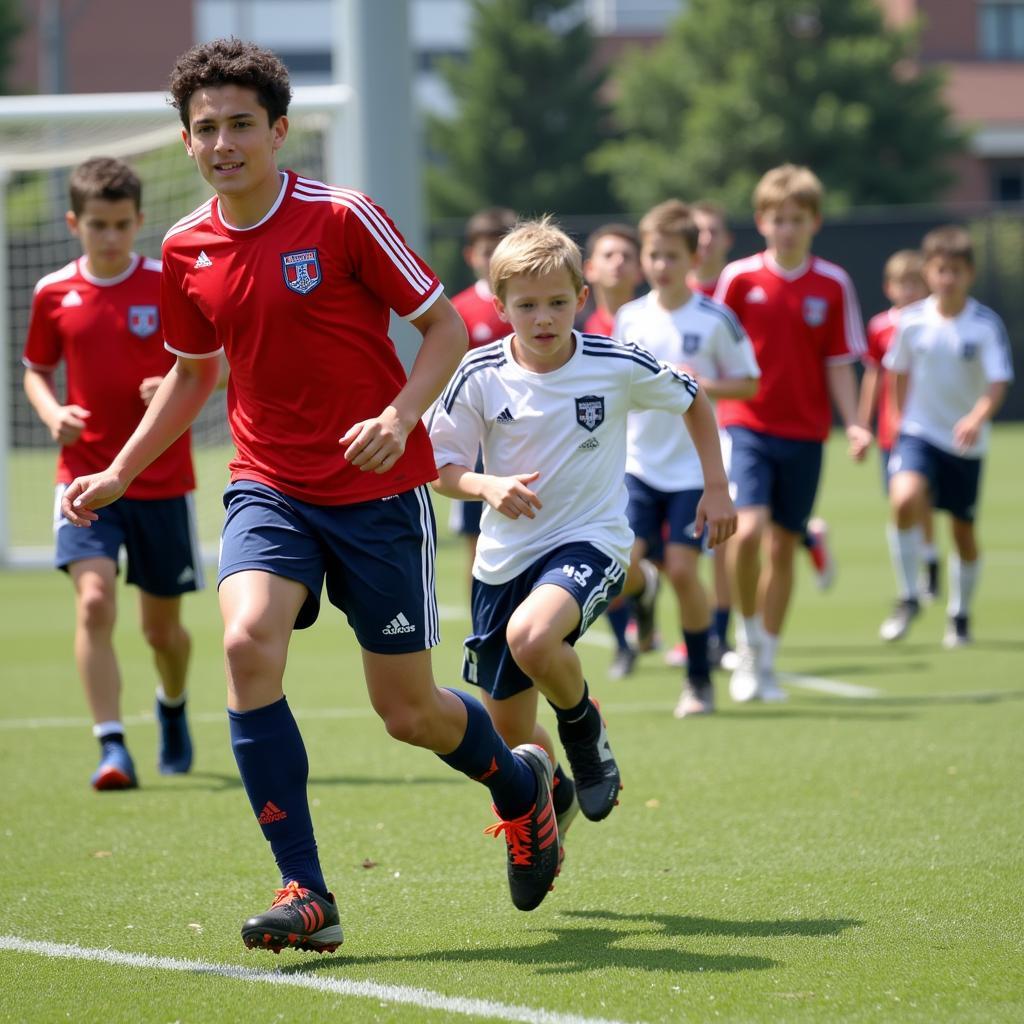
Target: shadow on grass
[217, 781]
[600, 941]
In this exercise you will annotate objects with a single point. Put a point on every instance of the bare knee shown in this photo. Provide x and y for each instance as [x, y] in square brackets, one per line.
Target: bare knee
[249, 650]
[97, 608]
[165, 637]
[407, 724]
[530, 647]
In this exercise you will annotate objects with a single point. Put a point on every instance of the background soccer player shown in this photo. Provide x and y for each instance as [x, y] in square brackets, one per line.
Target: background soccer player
[100, 316]
[612, 270]
[295, 281]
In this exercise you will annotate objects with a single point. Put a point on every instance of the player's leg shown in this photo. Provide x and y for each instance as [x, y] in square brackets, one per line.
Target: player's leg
[928, 581]
[681, 568]
[913, 466]
[957, 491]
[570, 589]
[815, 540]
[722, 610]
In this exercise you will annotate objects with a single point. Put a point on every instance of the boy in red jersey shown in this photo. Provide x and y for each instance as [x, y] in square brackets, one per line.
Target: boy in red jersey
[475, 305]
[903, 284]
[612, 270]
[802, 315]
[295, 281]
[99, 314]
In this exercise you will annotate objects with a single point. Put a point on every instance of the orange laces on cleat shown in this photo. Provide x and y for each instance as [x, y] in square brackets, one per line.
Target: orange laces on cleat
[292, 891]
[517, 836]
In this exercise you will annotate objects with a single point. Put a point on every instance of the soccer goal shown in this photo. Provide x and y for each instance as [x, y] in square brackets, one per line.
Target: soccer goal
[41, 139]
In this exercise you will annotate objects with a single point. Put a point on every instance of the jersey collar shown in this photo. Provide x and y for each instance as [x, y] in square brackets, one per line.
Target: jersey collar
[263, 220]
[779, 271]
[107, 282]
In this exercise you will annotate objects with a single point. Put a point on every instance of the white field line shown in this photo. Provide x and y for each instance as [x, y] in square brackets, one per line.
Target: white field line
[419, 997]
[831, 686]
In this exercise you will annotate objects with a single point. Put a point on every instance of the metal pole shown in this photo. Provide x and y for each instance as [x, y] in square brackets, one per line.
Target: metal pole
[6, 354]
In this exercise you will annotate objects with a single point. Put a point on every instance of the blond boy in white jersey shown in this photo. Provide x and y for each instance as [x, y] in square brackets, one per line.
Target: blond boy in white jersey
[952, 367]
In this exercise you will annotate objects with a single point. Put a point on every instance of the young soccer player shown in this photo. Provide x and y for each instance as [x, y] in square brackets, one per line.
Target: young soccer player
[612, 270]
[295, 281]
[903, 284]
[714, 241]
[549, 406]
[100, 316]
[663, 471]
[475, 305]
[801, 314]
[950, 359]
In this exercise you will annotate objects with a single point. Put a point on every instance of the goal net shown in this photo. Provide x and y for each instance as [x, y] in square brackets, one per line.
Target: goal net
[41, 140]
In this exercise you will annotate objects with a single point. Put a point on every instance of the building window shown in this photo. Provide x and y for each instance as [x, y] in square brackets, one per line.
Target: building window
[1008, 184]
[1001, 30]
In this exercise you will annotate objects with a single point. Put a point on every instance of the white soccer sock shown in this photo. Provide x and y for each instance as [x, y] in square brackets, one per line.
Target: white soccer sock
[749, 630]
[103, 729]
[963, 578]
[905, 553]
[766, 656]
[170, 702]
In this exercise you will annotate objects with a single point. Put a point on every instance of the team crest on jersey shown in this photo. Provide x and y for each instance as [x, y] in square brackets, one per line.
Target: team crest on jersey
[143, 320]
[590, 412]
[968, 350]
[691, 342]
[301, 270]
[815, 310]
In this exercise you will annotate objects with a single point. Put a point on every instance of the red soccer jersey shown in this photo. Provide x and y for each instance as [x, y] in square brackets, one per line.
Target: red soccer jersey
[702, 287]
[881, 328]
[476, 307]
[799, 321]
[300, 304]
[107, 331]
[601, 321]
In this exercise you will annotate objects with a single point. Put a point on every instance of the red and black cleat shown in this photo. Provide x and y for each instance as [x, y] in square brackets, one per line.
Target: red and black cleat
[297, 919]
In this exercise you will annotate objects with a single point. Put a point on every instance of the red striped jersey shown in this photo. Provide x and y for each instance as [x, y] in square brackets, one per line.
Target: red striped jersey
[799, 321]
[881, 328]
[108, 333]
[300, 304]
[475, 305]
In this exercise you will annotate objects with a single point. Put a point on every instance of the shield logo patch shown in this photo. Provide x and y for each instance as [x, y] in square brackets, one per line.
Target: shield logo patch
[968, 350]
[143, 320]
[691, 342]
[815, 310]
[590, 412]
[301, 270]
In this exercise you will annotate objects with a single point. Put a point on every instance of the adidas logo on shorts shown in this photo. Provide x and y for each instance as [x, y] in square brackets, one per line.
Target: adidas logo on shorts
[399, 624]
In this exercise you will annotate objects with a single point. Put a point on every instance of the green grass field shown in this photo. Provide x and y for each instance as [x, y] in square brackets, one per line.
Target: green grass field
[838, 858]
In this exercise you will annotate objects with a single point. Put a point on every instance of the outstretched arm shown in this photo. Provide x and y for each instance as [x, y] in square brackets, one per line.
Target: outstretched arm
[174, 406]
[716, 510]
[377, 444]
[508, 495]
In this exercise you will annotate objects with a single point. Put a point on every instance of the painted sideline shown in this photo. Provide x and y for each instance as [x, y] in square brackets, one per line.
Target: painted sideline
[421, 997]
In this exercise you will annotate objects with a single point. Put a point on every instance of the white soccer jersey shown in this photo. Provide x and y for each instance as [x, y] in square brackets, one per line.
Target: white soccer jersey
[951, 362]
[706, 338]
[570, 426]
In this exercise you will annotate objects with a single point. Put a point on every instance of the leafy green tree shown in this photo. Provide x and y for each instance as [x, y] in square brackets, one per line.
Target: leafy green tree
[739, 86]
[528, 115]
[10, 28]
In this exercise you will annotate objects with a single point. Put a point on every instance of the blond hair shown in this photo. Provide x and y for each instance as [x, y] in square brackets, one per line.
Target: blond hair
[532, 248]
[672, 217]
[904, 263]
[948, 242]
[789, 181]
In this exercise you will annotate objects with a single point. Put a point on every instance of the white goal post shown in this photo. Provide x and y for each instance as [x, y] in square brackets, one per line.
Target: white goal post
[41, 139]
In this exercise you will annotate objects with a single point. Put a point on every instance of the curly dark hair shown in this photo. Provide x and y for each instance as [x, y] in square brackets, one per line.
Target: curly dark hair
[231, 62]
[103, 177]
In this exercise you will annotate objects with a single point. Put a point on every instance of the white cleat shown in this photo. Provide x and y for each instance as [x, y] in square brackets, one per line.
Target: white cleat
[743, 683]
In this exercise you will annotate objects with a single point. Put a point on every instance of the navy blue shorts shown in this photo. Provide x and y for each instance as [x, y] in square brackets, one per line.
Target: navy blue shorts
[589, 575]
[662, 517]
[953, 481]
[159, 538]
[777, 472]
[377, 558]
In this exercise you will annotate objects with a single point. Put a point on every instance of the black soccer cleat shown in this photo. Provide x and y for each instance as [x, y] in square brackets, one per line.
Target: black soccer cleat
[593, 770]
[532, 839]
[297, 919]
[175, 754]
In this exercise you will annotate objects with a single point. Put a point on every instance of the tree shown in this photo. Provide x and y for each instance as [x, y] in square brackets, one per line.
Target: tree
[528, 114]
[738, 87]
[10, 29]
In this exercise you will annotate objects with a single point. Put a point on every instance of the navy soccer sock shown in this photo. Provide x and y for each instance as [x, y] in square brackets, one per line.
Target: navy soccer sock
[272, 762]
[618, 619]
[485, 758]
[581, 722]
[562, 791]
[697, 666]
[720, 625]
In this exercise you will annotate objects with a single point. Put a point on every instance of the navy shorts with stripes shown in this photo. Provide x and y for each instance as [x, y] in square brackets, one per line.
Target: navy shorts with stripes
[592, 577]
[953, 481]
[158, 536]
[377, 558]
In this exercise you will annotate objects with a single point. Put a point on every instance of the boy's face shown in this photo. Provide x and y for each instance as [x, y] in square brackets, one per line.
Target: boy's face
[478, 255]
[714, 240]
[788, 230]
[107, 229]
[614, 264]
[541, 309]
[666, 260]
[231, 139]
[949, 278]
[904, 289]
